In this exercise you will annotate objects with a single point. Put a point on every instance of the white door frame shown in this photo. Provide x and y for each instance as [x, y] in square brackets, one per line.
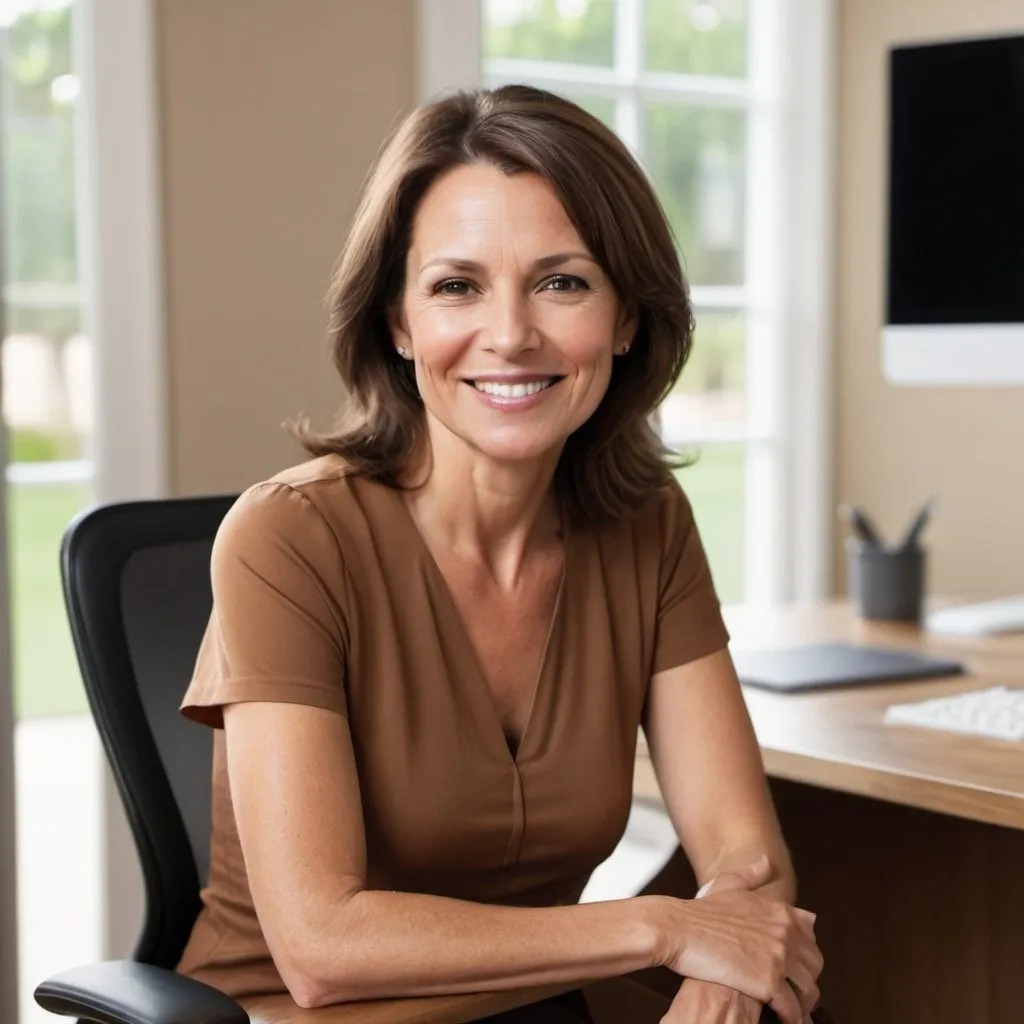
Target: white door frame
[120, 225]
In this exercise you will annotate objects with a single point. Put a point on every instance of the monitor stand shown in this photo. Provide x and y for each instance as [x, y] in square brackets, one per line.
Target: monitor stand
[986, 618]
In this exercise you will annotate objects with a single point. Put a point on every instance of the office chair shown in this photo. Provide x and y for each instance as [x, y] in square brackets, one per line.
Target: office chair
[136, 583]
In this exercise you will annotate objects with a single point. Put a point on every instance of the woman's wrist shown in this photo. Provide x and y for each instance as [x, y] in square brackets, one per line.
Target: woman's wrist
[664, 919]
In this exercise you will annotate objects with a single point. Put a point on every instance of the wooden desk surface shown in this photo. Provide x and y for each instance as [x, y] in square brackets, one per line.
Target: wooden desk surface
[836, 739]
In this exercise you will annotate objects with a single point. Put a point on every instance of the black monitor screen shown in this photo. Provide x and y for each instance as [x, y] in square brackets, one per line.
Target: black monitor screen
[956, 183]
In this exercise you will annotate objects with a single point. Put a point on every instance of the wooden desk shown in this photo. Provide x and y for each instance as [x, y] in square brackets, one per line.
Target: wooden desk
[908, 843]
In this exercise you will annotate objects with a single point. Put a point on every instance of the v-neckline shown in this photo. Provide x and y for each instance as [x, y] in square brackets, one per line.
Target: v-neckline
[480, 691]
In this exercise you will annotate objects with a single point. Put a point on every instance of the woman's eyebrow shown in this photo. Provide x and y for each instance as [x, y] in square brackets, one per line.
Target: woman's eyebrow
[544, 263]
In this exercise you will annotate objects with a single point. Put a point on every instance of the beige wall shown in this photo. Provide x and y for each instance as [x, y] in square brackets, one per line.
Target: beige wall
[271, 113]
[897, 445]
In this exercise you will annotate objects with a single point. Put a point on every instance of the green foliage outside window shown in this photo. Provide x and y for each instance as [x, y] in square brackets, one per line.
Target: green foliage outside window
[39, 176]
[696, 37]
[576, 32]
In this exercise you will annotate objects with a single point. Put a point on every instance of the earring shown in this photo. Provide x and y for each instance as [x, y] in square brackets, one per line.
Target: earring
[625, 348]
[402, 351]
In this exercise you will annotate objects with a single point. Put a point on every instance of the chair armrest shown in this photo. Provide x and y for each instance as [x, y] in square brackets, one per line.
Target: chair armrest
[447, 1009]
[127, 992]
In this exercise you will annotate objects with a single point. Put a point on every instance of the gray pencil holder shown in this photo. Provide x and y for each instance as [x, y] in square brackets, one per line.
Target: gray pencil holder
[886, 584]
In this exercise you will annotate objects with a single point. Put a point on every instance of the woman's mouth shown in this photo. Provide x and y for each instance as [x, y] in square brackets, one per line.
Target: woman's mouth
[518, 389]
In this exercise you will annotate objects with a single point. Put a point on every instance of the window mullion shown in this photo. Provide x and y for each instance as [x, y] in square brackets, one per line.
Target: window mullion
[767, 562]
[628, 58]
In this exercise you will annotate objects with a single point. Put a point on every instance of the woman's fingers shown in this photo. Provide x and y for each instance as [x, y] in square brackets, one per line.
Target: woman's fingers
[787, 1006]
[805, 987]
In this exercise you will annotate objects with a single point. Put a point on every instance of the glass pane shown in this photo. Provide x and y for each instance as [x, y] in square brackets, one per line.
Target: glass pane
[716, 486]
[697, 37]
[696, 157]
[712, 388]
[46, 359]
[566, 31]
[602, 107]
[46, 678]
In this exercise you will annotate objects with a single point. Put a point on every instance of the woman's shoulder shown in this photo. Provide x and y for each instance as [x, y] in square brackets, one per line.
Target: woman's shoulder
[302, 506]
[663, 514]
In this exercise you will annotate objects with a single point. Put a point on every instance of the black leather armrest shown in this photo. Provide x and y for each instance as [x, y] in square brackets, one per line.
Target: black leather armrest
[127, 992]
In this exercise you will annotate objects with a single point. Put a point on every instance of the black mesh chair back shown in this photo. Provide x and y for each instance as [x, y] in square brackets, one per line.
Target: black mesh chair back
[137, 587]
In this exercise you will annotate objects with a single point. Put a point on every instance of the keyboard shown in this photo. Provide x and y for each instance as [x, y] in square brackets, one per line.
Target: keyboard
[997, 713]
[987, 618]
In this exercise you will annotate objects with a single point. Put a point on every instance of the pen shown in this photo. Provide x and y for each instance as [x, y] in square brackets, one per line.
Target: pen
[916, 528]
[861, 525]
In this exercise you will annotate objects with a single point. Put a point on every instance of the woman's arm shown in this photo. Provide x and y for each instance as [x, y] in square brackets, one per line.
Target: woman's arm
[708, 764]
[295, 793]
[296, 798]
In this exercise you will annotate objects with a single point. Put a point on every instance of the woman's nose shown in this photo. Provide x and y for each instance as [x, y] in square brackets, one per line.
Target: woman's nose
[510, 327]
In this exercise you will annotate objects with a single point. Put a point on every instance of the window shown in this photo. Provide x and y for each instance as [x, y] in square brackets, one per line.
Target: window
[725, 104]
[47, 360]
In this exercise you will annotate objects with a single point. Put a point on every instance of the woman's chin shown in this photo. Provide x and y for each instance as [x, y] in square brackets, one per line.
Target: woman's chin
[512, 452]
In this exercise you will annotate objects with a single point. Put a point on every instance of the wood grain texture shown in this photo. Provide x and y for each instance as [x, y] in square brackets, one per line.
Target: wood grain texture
[837, 739]
[920, 915]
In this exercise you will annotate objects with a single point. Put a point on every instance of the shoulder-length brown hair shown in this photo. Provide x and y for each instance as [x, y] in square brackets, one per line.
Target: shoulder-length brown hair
[615, 460]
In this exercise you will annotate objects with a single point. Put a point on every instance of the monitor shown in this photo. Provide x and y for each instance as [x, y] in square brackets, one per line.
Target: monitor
[955, 245]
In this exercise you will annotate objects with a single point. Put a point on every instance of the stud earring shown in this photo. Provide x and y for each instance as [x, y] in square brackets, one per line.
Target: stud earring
[402, 351]
[625, 348]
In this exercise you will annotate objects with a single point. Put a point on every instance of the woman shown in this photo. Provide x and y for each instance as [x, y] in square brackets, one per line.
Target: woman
[432, 646]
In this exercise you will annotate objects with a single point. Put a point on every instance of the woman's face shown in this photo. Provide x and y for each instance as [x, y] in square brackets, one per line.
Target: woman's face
[511, 323]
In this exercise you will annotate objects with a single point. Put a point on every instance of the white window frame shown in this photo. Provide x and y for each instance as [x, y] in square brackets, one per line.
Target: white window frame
[787, 296]
[120, 238]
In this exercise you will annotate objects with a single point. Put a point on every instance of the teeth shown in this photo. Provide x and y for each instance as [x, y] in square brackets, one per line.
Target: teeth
[511, 390]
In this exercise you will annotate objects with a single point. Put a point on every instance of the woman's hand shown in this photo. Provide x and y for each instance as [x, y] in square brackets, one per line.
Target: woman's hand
[701, 1002]
[744, 941]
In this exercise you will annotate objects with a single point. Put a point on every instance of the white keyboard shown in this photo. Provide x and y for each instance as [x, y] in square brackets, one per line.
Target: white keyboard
[1004, 615]
[997, 713]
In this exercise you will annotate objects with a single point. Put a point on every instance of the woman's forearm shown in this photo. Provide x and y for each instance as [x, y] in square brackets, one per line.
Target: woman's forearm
[378, 944]
[782, 881]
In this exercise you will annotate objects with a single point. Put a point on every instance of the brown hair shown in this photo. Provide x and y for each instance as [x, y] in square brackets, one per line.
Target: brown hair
[615, 460]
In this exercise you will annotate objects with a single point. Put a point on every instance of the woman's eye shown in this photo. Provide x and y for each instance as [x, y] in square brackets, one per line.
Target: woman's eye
[453, 286]
[565, 283]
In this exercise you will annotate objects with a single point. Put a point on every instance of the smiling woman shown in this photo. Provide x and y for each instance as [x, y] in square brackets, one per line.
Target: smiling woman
[433, 645]
[587, 225]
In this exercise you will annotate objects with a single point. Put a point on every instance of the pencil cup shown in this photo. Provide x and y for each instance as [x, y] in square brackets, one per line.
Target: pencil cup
[886, 584]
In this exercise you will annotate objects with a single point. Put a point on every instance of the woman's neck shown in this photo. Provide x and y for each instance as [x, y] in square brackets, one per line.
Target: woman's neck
[497, 514]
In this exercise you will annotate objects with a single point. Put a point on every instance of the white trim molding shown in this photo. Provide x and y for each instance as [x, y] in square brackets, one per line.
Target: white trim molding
[121, 232]
[450, 46]
[122, 245]
[810, 89]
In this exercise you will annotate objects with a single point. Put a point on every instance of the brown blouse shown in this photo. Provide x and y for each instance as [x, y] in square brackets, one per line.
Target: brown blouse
[325, 594]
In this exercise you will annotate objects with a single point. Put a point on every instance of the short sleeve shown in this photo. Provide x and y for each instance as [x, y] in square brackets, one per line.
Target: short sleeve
[277, 631]
[689, 618]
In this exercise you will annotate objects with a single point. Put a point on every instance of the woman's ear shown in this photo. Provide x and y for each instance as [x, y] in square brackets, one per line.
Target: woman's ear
[399, 331]
[629, 324]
